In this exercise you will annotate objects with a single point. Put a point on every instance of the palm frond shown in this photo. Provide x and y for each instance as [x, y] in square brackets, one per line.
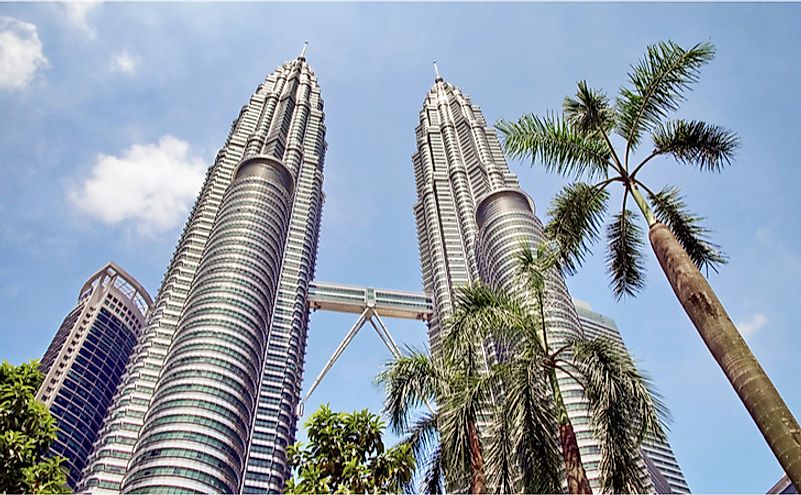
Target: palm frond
[467, 396]
[623, 410]
[669, 208]
[625, 259]
[423, 435]
[434, 473]
[660, 81]
[561, 148]
[481, 312]
[535, 423]
[576, 215]
[533, 266]
[501, 466]
[409, 382]
[589, 112]
[709, 147]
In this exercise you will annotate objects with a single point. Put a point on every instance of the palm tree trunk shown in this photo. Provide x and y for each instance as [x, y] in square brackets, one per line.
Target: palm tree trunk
[577, 481]
[729, 349]
[477, 480]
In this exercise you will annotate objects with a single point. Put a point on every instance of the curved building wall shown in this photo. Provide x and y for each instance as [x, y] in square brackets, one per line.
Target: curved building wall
[458, 160]
[283, 120]
[86, 359]
[471, 218]
[206, 395]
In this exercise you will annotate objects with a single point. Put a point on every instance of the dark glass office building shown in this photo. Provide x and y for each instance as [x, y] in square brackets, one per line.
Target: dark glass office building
[86, 359]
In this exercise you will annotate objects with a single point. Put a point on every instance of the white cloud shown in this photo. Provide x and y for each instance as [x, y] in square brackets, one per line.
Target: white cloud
[751, 326]
[150, 186]
[123, 62]
[20, 53]
[78, 14]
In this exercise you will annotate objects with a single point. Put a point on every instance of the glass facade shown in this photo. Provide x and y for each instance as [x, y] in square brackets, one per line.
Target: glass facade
[86, 359]
[207, 403]
[471, 218]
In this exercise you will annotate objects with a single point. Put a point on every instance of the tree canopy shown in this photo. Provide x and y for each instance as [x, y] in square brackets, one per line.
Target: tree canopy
[27, 432]
[345, 454]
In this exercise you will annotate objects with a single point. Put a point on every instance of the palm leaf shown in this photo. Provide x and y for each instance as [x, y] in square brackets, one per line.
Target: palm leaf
[623, 411]
[660, 81]
[535, 422]
[589, 112]
[576, 214]
[409, 381]
[625, 260]
[467, 398]
[709, 147]
[669, 208]
[423, 434]
[481, 312]
[561, 148]
[434, 473]
[501, 466]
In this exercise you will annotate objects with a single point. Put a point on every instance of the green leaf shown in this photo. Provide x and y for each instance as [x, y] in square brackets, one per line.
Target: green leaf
[660, 81]
[345, 454]
[589, 113]
[535, 424]
[576, 215]
[26, 431]
[709, 147]
[561, 148]
[670, 209]
[409, 382]
[624, 259]
[623, 410]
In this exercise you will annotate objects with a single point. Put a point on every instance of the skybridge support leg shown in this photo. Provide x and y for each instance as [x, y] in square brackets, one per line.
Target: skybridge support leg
[395, 350]
[342, 345]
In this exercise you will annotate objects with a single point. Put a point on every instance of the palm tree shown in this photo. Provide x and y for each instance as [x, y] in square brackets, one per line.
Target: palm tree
[519, 398]
[445, 440]
[578, 144]
[531, 405]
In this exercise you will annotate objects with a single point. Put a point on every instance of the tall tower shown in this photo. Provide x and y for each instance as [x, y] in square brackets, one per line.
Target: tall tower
[86, 358]
[659, 458]
[208, 402]
[471, 219]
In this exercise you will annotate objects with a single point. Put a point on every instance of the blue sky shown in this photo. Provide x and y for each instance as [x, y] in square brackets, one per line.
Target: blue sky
[96, 98]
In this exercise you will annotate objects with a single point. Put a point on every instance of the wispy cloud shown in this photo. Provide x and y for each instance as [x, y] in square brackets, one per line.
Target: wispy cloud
[150, 186]
[748, 328]
[78, 15]
[20, 53]
[123, 62]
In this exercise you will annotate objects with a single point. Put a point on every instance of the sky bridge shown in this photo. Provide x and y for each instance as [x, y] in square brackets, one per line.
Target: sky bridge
[370, 304]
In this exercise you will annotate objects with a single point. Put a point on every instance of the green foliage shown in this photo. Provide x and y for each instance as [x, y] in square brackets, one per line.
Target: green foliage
[660, 81]
[624, 407]
[670, 209]
[577, 144]
[554, 141]
[345, 454]
[523, 450]
[577, 215]
[709, 147]
[27, 431]
[589, 112]
[625, 260]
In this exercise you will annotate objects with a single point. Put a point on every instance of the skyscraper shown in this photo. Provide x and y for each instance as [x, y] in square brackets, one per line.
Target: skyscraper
[221, 359]
[471, 219]
[656, 452]
[86, 358]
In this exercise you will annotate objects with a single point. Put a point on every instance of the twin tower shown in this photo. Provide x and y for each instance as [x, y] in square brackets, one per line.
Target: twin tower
[208, 401]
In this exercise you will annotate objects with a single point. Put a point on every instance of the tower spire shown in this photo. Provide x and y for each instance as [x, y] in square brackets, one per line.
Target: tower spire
[436, 71]
[303, 52]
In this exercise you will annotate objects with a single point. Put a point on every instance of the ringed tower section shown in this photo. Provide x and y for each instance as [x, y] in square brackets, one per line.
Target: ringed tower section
[232, 310]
